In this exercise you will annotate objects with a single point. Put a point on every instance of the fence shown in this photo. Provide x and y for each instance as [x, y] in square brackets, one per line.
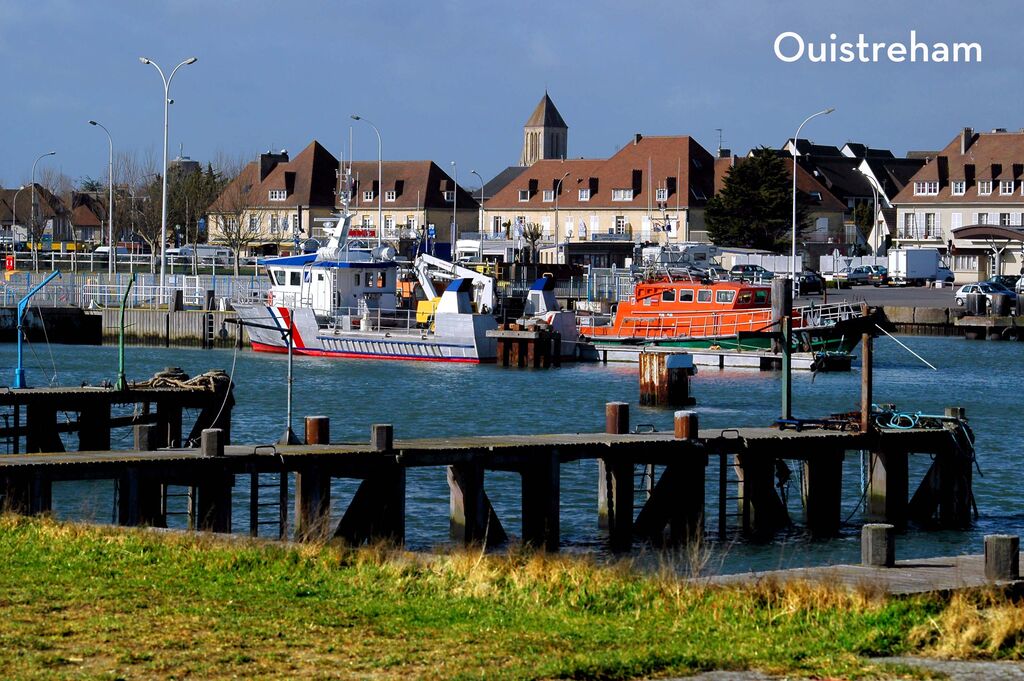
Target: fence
[836, 262]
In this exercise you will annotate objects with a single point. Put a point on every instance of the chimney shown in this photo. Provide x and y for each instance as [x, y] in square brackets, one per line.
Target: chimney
[724, 153]
[636, 138]
[269, 160]
[966, 137]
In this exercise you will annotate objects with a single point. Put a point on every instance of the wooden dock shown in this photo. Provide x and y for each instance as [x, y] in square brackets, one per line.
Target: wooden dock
[671, 509]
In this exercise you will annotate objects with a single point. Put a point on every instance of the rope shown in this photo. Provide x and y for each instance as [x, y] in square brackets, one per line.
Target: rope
[231, 379]
[49, 347]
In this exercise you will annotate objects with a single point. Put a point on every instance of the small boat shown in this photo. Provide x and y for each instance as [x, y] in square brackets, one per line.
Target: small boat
[727, 315]
[341, 302]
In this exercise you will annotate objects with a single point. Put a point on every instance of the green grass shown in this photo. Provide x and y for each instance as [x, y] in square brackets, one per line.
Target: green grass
[106, 603]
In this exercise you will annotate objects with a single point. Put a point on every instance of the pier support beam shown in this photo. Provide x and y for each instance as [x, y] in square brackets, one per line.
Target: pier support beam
[677, 500]
[30, 493]
[761, 508]
[213, 505]
[541, 491]
[823, 493]
[94, 428]
[312, 502]
[377, 511]
[472, 519]
[139, 500]
[888, 487]
[616, 422]
[41, 429]
[168, 421]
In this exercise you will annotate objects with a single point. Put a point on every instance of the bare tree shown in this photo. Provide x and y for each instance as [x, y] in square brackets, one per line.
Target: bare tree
[238, 216]
[533, 233]
[53, 186]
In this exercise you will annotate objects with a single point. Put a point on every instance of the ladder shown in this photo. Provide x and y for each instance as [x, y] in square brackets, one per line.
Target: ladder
[265, 482]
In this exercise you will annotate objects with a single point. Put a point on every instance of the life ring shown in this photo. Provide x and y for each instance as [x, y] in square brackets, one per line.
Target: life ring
[270, 298]
[1010, 333]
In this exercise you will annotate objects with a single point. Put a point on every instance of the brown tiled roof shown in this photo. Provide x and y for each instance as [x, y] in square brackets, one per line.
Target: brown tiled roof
[417, 184]
[645, 164]
[309, 180]
[49, 205]
[991, 156]
[84, 217]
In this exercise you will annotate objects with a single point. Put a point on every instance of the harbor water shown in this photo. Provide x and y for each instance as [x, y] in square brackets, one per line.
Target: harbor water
[425, 399]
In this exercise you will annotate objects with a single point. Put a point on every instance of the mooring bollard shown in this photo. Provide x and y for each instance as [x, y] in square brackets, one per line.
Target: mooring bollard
[211, 442]
[616, 418]
[878, 545]
[685, 423]
[318, 430]
[382, 437]
[145, 437]
[1002, 557]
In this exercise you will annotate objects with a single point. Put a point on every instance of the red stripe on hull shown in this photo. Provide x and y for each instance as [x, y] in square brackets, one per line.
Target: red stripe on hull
[263, 347]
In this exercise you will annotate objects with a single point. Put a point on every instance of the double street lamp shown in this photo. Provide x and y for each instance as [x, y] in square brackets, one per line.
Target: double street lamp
[380, 174]
[112, 253]
[35, 201]
[14, 222]
[558, 187]
[163, 199]
[796, 139]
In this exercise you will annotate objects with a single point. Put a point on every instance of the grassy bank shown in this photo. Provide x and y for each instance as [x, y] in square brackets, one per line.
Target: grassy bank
[83, 602]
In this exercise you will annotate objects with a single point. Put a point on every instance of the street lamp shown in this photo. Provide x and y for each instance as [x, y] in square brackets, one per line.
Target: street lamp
[558, 187]
[481, 218]
[163, 193]
[35, 208]
[455, 203]
[380, 174]
[111, 255]
[14, 222]
[796, 138]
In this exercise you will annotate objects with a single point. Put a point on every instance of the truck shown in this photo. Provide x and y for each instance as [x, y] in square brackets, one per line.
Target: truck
[915, 267]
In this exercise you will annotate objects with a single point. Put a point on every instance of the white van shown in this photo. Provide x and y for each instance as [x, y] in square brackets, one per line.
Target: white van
[206, 255]
[102, 252]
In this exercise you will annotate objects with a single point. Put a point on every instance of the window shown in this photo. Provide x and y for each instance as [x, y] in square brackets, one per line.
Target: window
[668, 296]
[965, 263]
[524, 194]
[724, 296]
[278, 276]
[295, 222]
[366, 221]
[686, 295]
[449, 196]
[704, 295]
[389, 221]
[982, 218]
[620, 224]
[278, 195]
[273, 224]
[959, 187]
[984, 187]
[254, 222]
[1005, 187]
[284, 224]
[816, 196]
[1004, 219]
[929, 225]
[496, 225]
[232, 223]
[584, 195]
[389, 195]
[930, 188]
[295, 278]
[661, 194]
[357, 279]
[368, 195]
[622, 195]
[549, 195]
[908, 226]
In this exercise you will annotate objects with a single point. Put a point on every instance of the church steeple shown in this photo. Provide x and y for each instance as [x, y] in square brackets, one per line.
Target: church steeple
[545, 134]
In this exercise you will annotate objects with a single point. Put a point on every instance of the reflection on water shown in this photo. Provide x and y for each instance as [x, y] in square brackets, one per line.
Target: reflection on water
[424, 400]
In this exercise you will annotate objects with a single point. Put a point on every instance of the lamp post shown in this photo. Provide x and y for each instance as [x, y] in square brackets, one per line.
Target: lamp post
[112, 253]
[481, 218]
[380, 174]
[455, 203]
[163, 191]
[558, 187]
[796, 138]
[35, 201]
[14, 223]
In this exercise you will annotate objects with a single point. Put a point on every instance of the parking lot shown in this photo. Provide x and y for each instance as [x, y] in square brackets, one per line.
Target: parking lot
[905, 296]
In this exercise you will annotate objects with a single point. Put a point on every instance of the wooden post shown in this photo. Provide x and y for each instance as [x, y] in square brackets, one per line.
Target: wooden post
[677, 499]
[540, 494]
[878, 545]
[318, 430]
[41, 429]
[168, 418]
[213, 505]
[312, 503]
[139, 500]
[94, 427]
[616, 422]
[471, 517]
[1002, 557]
[145, 437]
[211, 442]
[382, 437]
[377, 511]
[685, 423]
[823, 493]
[866, 379]
[762, 509]
[889, 487]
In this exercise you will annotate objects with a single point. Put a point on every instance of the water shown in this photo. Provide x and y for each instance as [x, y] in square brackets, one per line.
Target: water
[424, 399]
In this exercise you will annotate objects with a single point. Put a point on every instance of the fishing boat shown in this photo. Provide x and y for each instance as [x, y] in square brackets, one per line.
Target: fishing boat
[726, 315]
[341, 302]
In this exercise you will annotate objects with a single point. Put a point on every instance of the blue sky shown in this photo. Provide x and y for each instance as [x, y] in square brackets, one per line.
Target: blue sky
[456, 80]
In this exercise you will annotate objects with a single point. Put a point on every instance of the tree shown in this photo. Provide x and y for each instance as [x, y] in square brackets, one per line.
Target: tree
[754, 208]
[863, 217]
[533, 233]
[239, 217]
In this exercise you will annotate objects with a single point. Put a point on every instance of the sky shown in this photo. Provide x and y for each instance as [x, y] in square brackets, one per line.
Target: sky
[453, 80]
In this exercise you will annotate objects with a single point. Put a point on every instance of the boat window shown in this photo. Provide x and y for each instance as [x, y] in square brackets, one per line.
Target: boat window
[745, 298]
[278, 277]
[668, 295]
[724, 296]
[704, 295]
[319, 276]
[357, 279]
[761, 296]
[295, 279]
[686, 295]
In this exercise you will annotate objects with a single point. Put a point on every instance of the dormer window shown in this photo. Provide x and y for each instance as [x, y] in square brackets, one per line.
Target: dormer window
[368, 195]
[277, 195]
[930, 188]
[449, 196]
[958, 187]
[816, 196]
[549, 195]
[984, 187]
[622, 195]
[389, 196]
[524, 194]
[584, 195]
[1005, 187]
[661, 194]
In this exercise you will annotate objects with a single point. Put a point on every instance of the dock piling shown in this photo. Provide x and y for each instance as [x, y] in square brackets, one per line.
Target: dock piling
[878, 545]
[211, 442]
[1002, 557]
[318, 430]
[823, 493]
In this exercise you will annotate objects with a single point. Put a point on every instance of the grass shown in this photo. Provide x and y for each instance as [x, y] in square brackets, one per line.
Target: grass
[106, 603]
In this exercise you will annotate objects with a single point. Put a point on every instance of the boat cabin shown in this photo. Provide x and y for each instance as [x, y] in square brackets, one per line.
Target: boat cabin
[688, 295]
[332, 287]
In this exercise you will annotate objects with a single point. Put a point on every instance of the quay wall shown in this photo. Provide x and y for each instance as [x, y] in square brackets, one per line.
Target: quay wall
[923, 321]
[194, 328]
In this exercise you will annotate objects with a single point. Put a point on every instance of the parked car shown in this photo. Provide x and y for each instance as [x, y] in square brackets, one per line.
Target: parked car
[984, 287]
[754, 273]
[879, 276]
[809, 283]
[855, 275]
[1007, 280]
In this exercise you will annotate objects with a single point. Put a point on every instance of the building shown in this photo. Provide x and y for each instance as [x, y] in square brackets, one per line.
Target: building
[653, 189]
[54, 223]
[968, 201]
[545, 135]
[280, 203]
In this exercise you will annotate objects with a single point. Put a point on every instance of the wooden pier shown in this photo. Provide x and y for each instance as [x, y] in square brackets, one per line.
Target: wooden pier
[534, 346]
[670, 511]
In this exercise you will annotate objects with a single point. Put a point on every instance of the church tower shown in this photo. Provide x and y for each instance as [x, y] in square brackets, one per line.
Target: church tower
[545, 134]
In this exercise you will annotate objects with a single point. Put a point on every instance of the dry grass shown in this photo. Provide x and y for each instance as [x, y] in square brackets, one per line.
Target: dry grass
[977, 624]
